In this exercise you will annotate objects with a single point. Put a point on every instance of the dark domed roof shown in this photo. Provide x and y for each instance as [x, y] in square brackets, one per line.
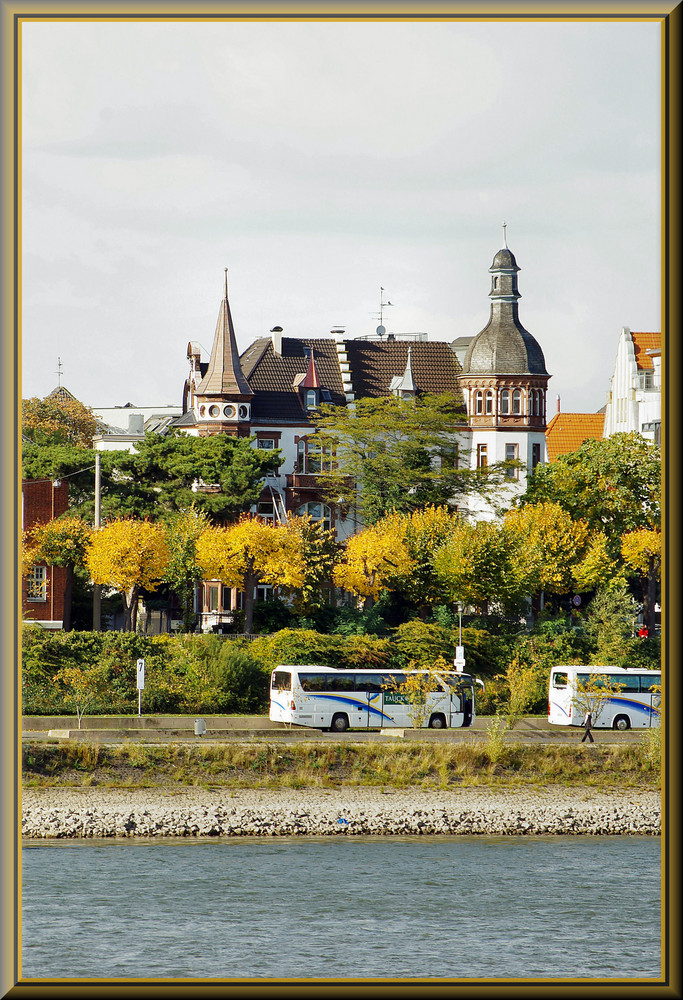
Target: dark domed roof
[504, 348]
[504, 259]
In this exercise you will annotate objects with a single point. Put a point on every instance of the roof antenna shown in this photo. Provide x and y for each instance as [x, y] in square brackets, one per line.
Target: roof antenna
[59, 373]
[505, 239]
[381, 329]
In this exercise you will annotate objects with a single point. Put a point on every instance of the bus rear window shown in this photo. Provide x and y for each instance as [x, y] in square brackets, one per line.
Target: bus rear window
[647, 683]
[559, 680]
[281, 680]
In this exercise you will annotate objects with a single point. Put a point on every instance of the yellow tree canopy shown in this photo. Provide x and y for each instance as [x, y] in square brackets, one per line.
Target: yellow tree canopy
[57, 543]
[127, 554]
[550, 541]
[373, 556]
[273, 552]
[642, 550]
[597, 567]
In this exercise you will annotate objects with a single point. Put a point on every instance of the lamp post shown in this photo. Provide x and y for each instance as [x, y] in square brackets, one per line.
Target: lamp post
[97, 591]
[459, 661]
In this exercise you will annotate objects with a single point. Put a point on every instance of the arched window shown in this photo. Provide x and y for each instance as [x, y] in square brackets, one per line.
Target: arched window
[317, 512]
[517, 401]
[489, 401]
[532, 402]
[505, 401]
[301, 456]
[480, 401]
[311, 399]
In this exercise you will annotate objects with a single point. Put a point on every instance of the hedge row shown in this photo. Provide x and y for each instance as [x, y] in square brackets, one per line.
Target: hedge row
[96, 671]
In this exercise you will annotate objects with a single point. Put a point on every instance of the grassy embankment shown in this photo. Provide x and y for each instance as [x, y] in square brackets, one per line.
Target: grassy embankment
[269, 766]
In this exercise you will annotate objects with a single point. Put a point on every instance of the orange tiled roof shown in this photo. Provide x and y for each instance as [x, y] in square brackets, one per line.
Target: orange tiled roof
[566, 431]
[644, 342]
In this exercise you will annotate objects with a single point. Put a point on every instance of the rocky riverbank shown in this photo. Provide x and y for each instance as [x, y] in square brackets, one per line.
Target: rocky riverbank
[77, 813]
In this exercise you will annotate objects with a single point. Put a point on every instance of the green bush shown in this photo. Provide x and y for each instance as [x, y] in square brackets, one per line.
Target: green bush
[241, 683]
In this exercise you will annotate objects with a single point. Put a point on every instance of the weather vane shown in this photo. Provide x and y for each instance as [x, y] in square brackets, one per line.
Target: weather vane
[505, 238]
[59, 373]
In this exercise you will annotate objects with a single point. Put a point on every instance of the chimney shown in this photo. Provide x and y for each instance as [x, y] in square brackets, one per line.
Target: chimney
[558, 403]
[276, 335]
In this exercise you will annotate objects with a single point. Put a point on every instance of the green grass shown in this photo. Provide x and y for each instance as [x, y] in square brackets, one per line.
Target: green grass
[267, 765]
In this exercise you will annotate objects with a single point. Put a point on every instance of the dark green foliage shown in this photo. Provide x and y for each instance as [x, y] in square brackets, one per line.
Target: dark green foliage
[241, 683]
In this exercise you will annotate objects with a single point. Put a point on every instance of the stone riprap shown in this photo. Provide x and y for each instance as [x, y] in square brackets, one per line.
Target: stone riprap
[95, 813]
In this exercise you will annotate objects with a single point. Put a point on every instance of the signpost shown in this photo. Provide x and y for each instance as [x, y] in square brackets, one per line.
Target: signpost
[141, 682]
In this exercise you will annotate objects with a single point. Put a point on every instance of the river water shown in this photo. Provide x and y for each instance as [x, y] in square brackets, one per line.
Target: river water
[343, 908]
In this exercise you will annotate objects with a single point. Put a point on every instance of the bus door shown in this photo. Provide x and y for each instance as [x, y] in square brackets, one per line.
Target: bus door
[370, 698]
[467, 699]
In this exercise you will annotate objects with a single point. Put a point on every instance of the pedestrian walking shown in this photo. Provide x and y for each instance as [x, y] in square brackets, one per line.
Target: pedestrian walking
[588, 725]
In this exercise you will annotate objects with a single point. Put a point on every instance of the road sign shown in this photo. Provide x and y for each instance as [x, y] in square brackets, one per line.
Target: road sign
[141, 674]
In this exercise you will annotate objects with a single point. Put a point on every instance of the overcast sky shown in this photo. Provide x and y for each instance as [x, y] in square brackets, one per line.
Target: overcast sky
[319, 162]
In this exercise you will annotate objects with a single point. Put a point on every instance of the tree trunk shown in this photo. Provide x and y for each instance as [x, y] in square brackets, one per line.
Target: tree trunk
[130, 607]
[250, 579]
[68, 596]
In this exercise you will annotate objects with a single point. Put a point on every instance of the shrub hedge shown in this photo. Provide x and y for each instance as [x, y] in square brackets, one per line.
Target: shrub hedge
[211, 674]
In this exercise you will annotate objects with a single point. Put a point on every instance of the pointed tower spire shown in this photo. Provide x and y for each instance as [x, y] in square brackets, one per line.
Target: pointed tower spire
[224, 374]
[311, 379]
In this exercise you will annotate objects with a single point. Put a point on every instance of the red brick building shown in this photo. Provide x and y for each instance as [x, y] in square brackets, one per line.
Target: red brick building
[42, 591]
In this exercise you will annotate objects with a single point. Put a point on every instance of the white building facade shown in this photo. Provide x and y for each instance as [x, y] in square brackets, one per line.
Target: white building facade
[634, 401]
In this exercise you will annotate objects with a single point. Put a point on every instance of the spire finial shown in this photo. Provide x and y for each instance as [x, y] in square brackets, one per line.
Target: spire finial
[505, 239]
[226, 282]
[59, 372]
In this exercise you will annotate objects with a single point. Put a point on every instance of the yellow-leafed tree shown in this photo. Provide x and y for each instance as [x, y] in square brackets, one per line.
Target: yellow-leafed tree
[128, 555]
[549, 544]
[251, 552]
[372, 557]
[62, 542]
[642, 554]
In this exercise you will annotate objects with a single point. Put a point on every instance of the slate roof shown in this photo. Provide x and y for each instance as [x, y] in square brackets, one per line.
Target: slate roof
[566, 431]
[642, 343]
[435, 367]
[271, 376]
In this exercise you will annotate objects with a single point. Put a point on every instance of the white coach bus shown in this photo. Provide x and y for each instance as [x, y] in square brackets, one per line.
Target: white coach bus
[636, 704]
[328, 698]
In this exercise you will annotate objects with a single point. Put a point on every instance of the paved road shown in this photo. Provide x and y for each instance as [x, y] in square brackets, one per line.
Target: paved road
[529, 731]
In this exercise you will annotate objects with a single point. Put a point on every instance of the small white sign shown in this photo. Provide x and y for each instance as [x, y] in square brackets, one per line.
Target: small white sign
[460, 653]
[141, 675]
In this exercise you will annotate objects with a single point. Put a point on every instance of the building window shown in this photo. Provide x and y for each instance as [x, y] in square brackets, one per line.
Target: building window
[511, 453]
[36, 584]
[317, 512]
[312, 457]
[517, 401]
[505, 402]
[450, 456]
[480, 402]
[268, 444]
[535, 455]
[212, 591]
[311, 399]
[489, 401]
[482, 458]
[264, 510]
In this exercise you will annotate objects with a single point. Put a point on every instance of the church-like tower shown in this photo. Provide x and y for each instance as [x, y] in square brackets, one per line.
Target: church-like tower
[504, 380]
[222, 399]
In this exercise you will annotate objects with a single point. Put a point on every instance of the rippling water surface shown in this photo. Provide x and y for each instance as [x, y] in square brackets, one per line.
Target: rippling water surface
[344, 907]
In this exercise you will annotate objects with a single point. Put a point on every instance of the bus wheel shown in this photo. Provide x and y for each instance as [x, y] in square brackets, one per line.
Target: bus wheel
[437, 722]
[340, 723]
[622, 722]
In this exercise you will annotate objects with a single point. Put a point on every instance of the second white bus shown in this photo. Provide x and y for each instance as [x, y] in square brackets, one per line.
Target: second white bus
[329, 698]
[636, 705]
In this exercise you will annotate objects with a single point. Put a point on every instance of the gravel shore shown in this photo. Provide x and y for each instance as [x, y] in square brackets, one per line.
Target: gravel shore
[94, 812]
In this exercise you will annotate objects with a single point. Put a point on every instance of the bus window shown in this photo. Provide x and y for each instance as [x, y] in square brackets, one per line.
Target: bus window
[647, 683]
[392, 682]
[341, 682]
[559, 680]
[368, 682]
[626, 682]
[314, 682]
[281, 680]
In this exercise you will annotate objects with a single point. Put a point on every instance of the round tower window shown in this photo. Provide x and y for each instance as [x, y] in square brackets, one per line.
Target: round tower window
[229, 412]
[244, 412]
[214, 411]
[202, 411]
